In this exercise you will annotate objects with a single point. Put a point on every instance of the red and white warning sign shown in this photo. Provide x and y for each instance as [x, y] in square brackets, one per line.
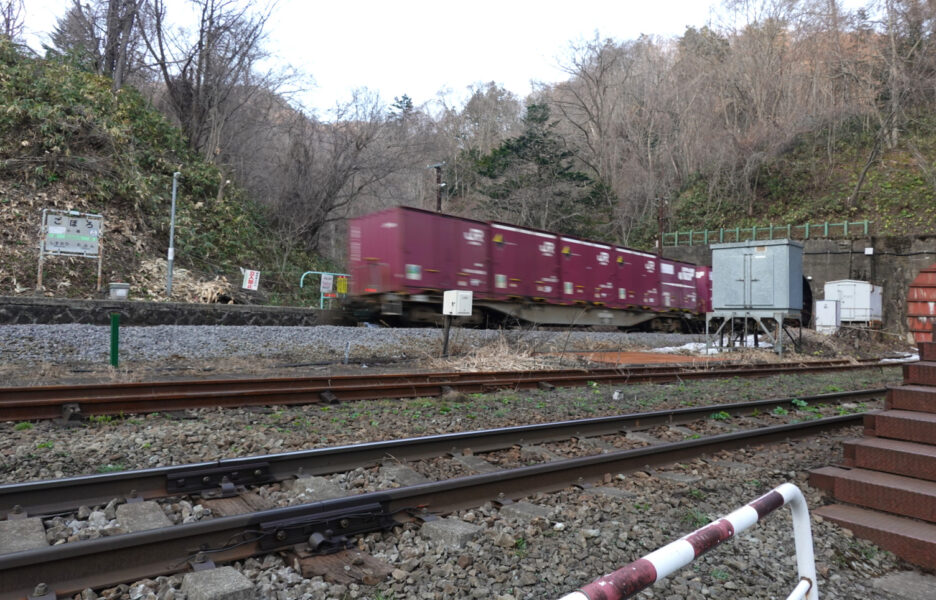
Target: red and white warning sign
[251, 279]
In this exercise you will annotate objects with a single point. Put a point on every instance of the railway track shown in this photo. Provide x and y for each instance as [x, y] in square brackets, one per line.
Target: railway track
[320, 526]
[73, 401]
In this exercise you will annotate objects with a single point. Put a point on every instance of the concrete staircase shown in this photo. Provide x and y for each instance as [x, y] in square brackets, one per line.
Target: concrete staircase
[888, 478]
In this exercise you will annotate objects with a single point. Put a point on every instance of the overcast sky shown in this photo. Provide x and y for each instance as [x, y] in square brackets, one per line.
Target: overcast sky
[420, 47]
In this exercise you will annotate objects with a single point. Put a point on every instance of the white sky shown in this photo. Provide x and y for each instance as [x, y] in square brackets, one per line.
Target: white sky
[420, 47]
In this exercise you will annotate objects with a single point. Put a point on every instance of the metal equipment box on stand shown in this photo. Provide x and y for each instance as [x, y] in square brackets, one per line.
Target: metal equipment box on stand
[759, 282]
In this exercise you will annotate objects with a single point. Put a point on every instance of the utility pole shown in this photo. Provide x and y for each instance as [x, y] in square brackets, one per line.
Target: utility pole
[660, 227]
[439, 185]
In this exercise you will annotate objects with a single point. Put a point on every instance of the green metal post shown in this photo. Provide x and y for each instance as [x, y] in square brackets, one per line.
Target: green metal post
[807, 230]
[737, 234]
[771, 232]
[691, 235]
[846, 227]
[721, 235]
[789, 231]
[115, 338]
[705, 241]
[825, 232]
[866, 227]
[754, 233]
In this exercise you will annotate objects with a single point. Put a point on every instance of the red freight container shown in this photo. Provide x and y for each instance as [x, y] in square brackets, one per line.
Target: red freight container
[408, 250]
[704, 289]
[372, 251]
[685, 273]
[677, 285]
[586, 271]
[523, 263]
[636, 280]
[603, 275]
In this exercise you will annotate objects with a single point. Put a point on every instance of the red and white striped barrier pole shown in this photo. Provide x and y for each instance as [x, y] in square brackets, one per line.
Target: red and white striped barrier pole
[642, 573]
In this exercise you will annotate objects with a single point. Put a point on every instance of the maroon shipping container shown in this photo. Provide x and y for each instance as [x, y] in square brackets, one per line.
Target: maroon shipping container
[586, 271]
[704, 288]
[523, 263]
[685, 272]
[636, 282]
[670, 290]
[372, 251]
[677, 286]
[408, 250]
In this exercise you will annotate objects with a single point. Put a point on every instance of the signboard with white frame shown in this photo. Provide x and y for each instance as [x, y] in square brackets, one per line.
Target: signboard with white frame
[70, 233]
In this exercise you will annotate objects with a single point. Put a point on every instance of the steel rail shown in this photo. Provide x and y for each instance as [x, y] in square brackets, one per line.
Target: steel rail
[69, 568]
[42, 498]
[49, 402]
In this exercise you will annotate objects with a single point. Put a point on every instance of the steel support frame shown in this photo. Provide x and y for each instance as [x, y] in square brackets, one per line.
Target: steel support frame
[761, 318]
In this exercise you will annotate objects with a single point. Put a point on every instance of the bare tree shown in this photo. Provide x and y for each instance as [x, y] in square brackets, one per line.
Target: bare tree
[327, 167]
[11, 19]
[103, 35]
[211, 75]
[119, 33]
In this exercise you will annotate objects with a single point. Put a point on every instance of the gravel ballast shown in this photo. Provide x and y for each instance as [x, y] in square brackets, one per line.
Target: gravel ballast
[91, 343]
[586, 534]
[36, 354]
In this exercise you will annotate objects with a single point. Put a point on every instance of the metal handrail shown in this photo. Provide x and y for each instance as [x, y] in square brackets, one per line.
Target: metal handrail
[768, 232]
[642, 573]
[321, 293]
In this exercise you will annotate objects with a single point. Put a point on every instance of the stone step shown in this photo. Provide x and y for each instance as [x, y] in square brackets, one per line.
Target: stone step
[892, 456]
[913, 541]
[927, 351]
[920, 373]
[911, 397]
[910, 426]
[895, 494]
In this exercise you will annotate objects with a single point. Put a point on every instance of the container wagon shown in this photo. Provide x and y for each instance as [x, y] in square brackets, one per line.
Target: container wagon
[402, 259]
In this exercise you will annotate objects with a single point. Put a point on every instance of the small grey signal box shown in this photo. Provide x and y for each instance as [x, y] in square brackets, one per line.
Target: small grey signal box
[763, 275]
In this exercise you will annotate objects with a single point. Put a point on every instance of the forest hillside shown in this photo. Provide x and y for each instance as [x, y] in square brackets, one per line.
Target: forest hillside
[792, 112]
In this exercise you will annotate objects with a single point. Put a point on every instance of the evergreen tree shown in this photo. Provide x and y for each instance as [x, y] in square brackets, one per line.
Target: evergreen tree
[533, 180]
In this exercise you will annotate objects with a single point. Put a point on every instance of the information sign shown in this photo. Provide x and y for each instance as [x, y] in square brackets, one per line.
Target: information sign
[327, 282]
[341, 286]
[71, 233]
[251, 279]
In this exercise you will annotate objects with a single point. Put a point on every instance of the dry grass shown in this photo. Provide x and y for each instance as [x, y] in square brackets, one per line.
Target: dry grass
[505, 353]
[150, 282]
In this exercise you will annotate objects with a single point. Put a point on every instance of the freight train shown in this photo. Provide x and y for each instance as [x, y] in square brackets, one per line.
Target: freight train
[402, 259]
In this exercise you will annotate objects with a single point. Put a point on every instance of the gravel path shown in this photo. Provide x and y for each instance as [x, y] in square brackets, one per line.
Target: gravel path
[91, 343]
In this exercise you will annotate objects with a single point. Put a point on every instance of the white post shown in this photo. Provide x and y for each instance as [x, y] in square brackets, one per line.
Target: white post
[170, 255]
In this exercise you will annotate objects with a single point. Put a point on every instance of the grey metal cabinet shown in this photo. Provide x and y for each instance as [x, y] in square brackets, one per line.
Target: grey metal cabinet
[761, 275]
